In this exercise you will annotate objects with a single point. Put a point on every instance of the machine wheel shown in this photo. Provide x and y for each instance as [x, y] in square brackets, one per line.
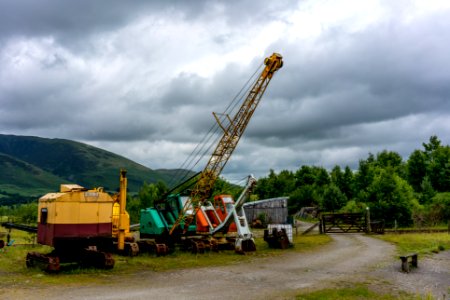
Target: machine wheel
[198, 247]
[97, 259]
[44, 262]
[29, 261]
[248, 246]
[161, 249]
[214, 245]
[131, 249]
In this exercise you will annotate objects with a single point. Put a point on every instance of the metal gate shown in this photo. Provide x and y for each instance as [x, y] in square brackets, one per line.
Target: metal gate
[343, 222]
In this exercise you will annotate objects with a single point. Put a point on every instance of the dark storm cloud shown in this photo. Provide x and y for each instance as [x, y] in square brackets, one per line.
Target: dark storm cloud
[142, 78]
[385, 72]
[72, 20]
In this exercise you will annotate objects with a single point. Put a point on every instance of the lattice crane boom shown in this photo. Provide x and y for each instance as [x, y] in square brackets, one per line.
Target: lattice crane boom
[232, 133]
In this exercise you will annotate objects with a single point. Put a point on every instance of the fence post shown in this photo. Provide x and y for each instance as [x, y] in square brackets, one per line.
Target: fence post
[368, 229]
[321, 226]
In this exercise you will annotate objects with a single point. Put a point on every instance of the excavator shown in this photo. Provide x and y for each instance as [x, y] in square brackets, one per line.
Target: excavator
[193, 221]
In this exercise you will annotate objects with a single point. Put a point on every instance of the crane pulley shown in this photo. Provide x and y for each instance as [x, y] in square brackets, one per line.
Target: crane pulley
[232, 132]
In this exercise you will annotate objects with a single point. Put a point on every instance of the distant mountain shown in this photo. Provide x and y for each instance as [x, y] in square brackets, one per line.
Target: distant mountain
[32, 166]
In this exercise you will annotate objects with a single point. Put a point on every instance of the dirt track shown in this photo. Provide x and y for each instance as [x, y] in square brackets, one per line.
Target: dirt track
[348, 259]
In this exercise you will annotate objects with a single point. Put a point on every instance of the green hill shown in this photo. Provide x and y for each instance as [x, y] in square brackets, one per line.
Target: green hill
[32, 166]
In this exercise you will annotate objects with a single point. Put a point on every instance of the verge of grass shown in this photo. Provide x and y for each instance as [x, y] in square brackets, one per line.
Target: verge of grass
[422, 243]
[182, 260]
[14, 271]
[356, 292]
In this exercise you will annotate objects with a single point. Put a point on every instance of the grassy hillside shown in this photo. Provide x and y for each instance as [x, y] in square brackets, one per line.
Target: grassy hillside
[33, 166]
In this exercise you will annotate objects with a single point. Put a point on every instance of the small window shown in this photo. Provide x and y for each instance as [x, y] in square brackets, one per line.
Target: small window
[44, 214]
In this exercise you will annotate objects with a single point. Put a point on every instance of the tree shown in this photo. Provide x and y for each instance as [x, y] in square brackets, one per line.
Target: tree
[416, 169]
[427, 191]
[284, 183]
[222, 186]
[332, 199]
[303, 196]
[276, 185]
[440, 207]
[433, 162]
[348, 183]
[343, 180]
[391, 159]
[304, 176]
[134, 209]
[438, 169]
[364, 177]
[391, 198]
[433, 145]
[321, 176]
[24, 213]
[149, 193]
[337, 176]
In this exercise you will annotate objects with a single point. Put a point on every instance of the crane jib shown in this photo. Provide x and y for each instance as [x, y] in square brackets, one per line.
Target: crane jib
[230, 138]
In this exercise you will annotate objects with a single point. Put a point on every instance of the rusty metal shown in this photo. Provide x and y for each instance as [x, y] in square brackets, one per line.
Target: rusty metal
[130, 249]
[277, 238]
[45, 262]
[161, 249]
[91, 257]
[198, 247]
[245, 246]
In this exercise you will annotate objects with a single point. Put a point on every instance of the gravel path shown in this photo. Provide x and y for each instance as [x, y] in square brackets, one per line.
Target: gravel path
[431, 277]
[349, 258]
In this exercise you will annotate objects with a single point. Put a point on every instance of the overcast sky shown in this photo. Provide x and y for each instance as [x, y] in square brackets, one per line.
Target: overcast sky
[141, 78]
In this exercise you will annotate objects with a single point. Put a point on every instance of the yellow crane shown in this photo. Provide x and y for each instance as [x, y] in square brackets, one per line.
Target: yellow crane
[232, 132]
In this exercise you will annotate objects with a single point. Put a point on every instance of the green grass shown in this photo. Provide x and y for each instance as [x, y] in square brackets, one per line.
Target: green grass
[182, 260]
[12, 261]
[422, 243]
[356, 292]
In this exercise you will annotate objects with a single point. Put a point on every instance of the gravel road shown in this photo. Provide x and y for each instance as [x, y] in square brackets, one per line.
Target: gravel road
[349, 258]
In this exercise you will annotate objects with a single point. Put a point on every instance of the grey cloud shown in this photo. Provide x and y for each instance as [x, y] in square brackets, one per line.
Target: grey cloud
[381, 73]
[71, 22]
[338, 97]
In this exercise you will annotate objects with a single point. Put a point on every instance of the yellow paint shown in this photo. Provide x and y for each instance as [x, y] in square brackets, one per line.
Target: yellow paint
[77, 206]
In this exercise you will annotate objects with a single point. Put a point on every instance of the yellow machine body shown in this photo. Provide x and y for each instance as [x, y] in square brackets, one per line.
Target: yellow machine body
[74, 212]
[77, 213]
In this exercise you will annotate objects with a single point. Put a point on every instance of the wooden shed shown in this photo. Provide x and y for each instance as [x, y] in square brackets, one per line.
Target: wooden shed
[275, 210]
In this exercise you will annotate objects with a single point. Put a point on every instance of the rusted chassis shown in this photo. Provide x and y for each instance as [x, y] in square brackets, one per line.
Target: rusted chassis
[87, 252]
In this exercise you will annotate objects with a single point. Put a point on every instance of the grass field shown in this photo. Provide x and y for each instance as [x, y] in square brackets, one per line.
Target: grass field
[14, 271]
[357, 292]
[422, 243]
[12, 261]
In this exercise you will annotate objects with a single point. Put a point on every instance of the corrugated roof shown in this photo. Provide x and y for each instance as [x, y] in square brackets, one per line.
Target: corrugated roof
[266, 201]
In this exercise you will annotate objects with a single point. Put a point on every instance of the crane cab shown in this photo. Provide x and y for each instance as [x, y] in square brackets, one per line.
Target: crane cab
[224, 205]
[212, 215]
